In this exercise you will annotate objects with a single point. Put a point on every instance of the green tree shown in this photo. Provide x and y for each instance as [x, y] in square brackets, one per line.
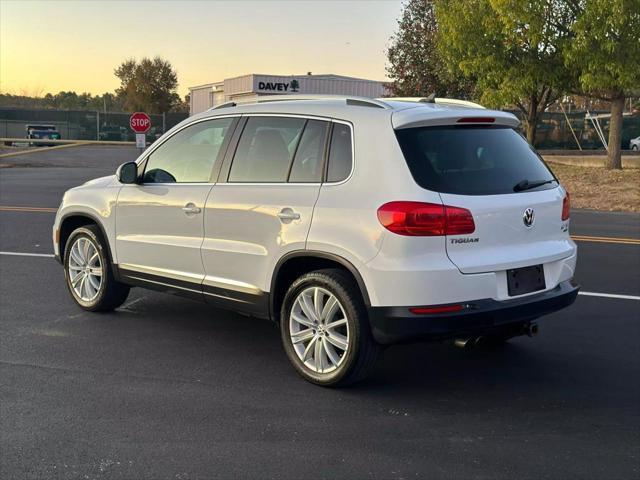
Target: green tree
[148, 85]
[414, 62]
[513, 47]
[66, 100]
[606, 53]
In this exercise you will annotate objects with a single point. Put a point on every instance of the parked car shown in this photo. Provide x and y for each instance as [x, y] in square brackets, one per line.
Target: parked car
[634, 144]
[112, 133]
[41, 132]
[353, 223]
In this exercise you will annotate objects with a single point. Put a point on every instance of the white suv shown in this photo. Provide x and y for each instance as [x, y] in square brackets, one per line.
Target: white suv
[353, 223]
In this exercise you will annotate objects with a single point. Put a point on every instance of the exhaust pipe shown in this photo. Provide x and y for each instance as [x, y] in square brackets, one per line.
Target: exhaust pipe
[467, 343]
[531, 330]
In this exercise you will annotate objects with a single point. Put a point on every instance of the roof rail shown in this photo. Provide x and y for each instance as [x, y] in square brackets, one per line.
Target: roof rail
[349, 100]
[438, 101]
[223, 105]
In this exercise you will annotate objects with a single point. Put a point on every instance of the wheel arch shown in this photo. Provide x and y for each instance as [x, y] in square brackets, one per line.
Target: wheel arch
[296, 263]
[74, 220]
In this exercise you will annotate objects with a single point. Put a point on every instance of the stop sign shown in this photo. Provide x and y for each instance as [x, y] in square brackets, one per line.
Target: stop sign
[140, 122]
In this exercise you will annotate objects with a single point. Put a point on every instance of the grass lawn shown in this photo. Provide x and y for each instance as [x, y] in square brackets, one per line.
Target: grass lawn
[600, 189]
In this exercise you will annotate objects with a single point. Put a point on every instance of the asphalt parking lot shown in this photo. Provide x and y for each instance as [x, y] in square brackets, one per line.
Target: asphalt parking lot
[170, 388]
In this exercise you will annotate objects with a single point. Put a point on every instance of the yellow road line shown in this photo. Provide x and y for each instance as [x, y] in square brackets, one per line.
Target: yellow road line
[29, 151]
[624, 241]
[50, 141]
[606, 238]
[27, 209]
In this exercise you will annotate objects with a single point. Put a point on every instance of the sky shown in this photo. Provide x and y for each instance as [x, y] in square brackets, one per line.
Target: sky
[49, 46]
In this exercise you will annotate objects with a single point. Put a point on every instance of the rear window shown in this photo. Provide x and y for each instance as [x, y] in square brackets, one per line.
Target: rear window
[472, 160]
[41, 127]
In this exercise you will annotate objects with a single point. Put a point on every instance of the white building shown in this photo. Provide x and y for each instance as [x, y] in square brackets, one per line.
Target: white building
[250, 86]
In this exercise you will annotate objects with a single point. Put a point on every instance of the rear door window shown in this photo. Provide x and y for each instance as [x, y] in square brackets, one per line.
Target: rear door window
[265, 149]
[308, 162]
[472, 160]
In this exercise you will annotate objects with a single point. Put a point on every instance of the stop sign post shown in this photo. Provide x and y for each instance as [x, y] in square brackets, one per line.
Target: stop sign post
[140, 123]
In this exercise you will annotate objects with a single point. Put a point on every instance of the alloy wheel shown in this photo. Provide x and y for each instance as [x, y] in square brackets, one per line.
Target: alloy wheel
[319, 330]
[85, 269]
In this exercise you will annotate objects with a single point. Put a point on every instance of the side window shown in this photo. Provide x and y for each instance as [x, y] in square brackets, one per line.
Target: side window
[189, 155]
[307, 165]
[340, 154]
[265, 149]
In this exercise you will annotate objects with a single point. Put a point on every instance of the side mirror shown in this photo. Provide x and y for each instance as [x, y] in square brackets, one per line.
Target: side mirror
[127, 173]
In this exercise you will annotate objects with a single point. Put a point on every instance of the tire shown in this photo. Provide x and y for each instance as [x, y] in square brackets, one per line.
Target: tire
[337, 367]
[109, 294]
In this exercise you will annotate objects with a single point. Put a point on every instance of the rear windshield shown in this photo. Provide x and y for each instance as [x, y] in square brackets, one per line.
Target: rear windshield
[41, 127]
[473, 160]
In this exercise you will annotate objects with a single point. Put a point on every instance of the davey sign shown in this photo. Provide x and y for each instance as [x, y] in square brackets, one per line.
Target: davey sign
[140, 122]
[279, 87]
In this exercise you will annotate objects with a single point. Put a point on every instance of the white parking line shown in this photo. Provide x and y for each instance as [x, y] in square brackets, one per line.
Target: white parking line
[20, 254]
[609, 295]
[588, 294]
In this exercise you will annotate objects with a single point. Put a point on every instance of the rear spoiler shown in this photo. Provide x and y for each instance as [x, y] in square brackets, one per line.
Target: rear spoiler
[429, 117]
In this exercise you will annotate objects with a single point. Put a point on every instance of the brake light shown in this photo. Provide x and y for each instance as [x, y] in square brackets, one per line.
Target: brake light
[417, 219]
[476, 120]
[566, 207]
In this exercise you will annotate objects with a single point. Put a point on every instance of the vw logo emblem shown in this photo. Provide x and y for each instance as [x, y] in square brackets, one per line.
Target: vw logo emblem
[528, 217]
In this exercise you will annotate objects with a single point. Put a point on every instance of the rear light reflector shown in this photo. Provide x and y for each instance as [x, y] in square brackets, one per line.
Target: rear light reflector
[418, 219]
[566, 207]
[476, 120]
[442, 309]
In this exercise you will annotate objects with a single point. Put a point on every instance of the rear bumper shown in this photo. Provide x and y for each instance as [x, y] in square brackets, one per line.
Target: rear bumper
[398, 324]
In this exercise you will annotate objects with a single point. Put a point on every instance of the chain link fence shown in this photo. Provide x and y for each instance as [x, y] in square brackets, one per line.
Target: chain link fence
[83, 124]
[553, 131]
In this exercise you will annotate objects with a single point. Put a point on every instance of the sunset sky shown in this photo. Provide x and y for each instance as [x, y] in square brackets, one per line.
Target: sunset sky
[48, 46]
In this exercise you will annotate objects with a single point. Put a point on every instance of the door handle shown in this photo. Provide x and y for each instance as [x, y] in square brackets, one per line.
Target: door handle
[287, 215]
[191, 209]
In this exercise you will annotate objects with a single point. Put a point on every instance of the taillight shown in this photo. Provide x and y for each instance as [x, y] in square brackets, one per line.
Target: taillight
[566, 206]
[418, 219]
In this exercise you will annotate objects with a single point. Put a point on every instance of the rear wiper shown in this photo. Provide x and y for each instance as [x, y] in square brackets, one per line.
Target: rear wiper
[527, 185]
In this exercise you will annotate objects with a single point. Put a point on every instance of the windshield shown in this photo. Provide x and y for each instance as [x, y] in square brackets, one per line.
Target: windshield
[473, 160]
[41, 127]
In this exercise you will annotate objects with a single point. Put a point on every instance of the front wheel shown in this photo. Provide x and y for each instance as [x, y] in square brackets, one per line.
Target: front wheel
[88, 272]
[325, 329]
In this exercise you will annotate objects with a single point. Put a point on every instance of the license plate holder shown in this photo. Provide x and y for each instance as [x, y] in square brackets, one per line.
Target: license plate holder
[525, 280]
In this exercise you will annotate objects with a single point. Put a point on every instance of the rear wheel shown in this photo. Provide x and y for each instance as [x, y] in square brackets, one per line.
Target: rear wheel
[325, 330]
[88, 272]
